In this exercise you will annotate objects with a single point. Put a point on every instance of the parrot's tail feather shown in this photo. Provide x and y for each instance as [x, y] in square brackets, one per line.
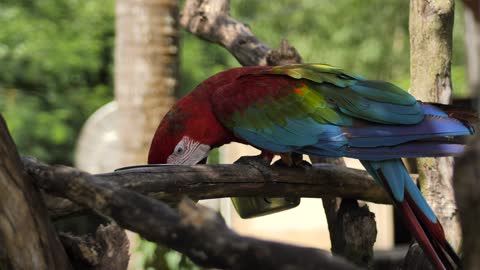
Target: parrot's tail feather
[419, 233]
[446, 252]
[466, 115]
[406, 150]
[368, 134]
[418, 216]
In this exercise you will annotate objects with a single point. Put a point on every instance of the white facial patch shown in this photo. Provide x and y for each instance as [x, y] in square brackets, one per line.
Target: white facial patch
[188, 152]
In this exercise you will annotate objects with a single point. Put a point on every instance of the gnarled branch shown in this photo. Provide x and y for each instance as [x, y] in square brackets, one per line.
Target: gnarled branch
[211, 21]
[195, 231]
[169, 183]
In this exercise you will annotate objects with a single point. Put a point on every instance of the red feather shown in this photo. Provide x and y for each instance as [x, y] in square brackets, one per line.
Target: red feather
[429, 235]
[204, 126]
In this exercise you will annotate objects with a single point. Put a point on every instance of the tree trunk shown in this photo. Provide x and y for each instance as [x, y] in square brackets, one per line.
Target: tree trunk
[467, 188]
[472, 44]
[467, 168]
[27, 238]
[431, 24]
[146, 69]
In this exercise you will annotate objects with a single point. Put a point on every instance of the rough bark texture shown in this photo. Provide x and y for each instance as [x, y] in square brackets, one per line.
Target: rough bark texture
[431, 24]
[107, 250]
[146, 67]
[169, 183]
[27, 237]
[467, 188]
[416, 259]
[195, 231]
[352, 226]
[354, 231]
[210, 20]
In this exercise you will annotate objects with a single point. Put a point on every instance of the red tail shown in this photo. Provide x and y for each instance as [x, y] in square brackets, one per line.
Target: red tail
[429, 235]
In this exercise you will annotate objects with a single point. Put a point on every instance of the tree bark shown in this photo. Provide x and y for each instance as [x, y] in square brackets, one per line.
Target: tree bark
[352, 227]
[107, 250]
[210, 20]
[431, 24]
[169, 183]
[27, 238]
[146, 71]
[467, 167]
[467, 188]
[195, 231]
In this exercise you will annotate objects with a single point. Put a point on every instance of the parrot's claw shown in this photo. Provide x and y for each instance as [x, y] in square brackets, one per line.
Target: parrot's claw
[303, 164]
[292, 160]
[253, 160]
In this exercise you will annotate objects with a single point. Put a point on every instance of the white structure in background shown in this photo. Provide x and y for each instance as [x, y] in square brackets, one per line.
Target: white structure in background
[98, 148]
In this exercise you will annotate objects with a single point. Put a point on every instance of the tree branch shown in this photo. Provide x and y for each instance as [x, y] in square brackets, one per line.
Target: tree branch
[106, 250]
[210, 20]
[195, 231]
[169, 182]
[352, 226]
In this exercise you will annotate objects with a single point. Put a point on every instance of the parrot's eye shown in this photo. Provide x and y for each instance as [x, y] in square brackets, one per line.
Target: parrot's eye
[179, 149]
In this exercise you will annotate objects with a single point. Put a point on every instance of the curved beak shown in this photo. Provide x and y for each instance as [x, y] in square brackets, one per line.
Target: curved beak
[203, 161]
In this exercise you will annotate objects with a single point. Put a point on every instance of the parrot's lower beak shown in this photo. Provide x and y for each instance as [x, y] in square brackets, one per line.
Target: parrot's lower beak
[203, 161]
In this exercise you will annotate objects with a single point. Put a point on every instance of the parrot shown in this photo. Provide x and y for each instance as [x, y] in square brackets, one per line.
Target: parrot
[324, 111]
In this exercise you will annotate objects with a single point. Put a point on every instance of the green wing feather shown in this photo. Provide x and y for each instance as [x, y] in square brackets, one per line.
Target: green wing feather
[375, 101]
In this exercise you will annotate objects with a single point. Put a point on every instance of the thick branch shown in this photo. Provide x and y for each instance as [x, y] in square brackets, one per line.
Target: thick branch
[196, 231]
[27, 238]
[168, 183]
[352, 226]
[209, 19]
[107, 250]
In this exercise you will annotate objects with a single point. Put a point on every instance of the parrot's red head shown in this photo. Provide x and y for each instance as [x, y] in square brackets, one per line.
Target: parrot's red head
[190, 129]
[187, 133]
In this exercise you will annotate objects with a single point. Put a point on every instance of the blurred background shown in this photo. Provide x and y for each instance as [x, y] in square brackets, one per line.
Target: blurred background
[57, 70]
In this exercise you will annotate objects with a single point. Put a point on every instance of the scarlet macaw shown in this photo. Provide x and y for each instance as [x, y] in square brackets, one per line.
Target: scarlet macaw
[320, 110]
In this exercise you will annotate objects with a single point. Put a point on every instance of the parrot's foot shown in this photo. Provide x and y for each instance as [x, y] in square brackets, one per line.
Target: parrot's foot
[252, 160]
[264, 159]
[292, 160]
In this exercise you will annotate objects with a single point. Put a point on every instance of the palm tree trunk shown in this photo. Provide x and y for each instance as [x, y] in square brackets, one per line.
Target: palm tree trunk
[146, 70]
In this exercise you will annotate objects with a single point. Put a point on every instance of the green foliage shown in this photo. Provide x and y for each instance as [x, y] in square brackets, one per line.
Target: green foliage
[55, 59]
[199, 60]
[156, 257]
[366, 37]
